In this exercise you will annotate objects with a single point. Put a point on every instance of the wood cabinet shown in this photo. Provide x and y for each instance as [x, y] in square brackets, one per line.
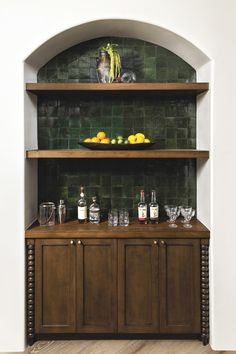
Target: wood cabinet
[159, 286]
[96, 269]
[55, 296]
[179, 273]
[75, 286]
[138, 286]
[117, 286]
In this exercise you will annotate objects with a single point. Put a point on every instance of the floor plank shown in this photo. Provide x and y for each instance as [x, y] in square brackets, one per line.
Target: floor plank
[121, 347]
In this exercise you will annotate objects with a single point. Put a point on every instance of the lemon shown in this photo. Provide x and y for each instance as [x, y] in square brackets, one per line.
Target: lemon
[87, 140]
[147, 140]
[101, 135]
[105, 141]
[139, 140]
[140, 135]
[131, 138]
[95, 140]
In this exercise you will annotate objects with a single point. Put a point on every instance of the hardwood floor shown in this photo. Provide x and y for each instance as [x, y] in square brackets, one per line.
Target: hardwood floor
[121, 347]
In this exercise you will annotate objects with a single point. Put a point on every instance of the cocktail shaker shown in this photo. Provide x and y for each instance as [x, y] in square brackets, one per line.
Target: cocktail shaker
[61, 212]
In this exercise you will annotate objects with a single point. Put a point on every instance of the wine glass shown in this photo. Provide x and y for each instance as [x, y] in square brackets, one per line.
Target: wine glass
[172, 212]
[186, 209]
[188, 217]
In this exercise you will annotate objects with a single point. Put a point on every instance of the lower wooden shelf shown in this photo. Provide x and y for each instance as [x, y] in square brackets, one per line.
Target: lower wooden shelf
[80, 154]
[72, 229]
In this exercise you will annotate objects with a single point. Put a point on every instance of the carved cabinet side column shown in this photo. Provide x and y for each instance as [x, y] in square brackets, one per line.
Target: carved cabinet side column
[205, 291]
[30, 289]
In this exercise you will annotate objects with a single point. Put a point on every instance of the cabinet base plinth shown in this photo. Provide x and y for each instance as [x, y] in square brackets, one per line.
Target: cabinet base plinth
[205, 339]
[76, 336]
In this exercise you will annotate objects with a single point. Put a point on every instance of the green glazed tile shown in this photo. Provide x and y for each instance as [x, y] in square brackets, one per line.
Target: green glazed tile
[172, 122]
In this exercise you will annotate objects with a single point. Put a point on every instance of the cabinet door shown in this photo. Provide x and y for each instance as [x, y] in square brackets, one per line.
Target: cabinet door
[180, 286]
[137, 286]
[97, 285]
[55, 286]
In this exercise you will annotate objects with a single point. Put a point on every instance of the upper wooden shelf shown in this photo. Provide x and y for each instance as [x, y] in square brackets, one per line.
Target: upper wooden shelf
[43, 88]
[72, 229]
[80, 154]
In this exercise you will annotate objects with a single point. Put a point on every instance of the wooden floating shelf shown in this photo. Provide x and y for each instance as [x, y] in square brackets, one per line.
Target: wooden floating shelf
[42, 88]
[72, 229]
[84, 154]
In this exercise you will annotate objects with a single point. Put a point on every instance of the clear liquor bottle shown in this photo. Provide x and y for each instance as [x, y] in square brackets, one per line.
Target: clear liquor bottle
[153, 209]
[142, 209]
[82, 207]
[94, 212]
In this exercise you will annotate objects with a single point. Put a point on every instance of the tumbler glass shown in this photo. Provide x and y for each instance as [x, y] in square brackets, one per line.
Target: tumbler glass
[113, 217]
[123, 217]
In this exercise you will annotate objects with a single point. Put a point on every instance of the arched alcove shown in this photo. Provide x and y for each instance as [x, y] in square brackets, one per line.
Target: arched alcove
[119, 28]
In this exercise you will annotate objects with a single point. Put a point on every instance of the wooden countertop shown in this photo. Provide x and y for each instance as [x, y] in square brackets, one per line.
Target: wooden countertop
[72, 229]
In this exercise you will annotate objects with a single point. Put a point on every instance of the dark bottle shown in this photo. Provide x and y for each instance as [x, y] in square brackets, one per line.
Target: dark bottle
[153, 209]
[142, 209]
[82, 207]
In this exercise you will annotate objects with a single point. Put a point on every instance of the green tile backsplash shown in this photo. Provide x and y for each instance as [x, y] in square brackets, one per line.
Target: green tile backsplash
[168, 120]
[150, 62]
[117, 183]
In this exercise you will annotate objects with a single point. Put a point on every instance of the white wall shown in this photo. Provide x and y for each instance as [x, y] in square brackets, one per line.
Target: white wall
[24, 26]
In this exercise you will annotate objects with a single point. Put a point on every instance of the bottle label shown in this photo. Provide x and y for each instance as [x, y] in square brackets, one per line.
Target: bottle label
[142, 213]
[154, 212]
[82, 213]
[94, 215]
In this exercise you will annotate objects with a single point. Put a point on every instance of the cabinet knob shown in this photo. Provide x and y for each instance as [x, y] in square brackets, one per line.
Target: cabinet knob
[163, 243]
[155, 242]
[71, 242]
[79, 242]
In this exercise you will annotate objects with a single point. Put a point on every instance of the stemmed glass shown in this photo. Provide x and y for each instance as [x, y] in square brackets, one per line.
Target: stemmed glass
[185, 209]
[172, 212]
[187, 213]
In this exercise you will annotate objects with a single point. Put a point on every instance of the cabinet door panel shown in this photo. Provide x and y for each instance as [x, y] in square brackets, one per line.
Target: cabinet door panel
[55, 286]
[97, 286]
[180, 286]
[137, 286]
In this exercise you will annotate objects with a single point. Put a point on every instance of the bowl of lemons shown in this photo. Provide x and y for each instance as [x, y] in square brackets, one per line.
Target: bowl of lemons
[101, 141]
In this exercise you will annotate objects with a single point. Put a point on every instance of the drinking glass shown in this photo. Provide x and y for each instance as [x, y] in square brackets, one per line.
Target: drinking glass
[173, 212]
[166, 207]
[123, 217]
[188, 217]
[47, 214]
[113, 217]
[185, 210]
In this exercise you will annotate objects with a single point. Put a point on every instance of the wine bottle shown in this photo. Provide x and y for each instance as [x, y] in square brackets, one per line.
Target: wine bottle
[142, 209]
[82, 207]
[153, 209]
